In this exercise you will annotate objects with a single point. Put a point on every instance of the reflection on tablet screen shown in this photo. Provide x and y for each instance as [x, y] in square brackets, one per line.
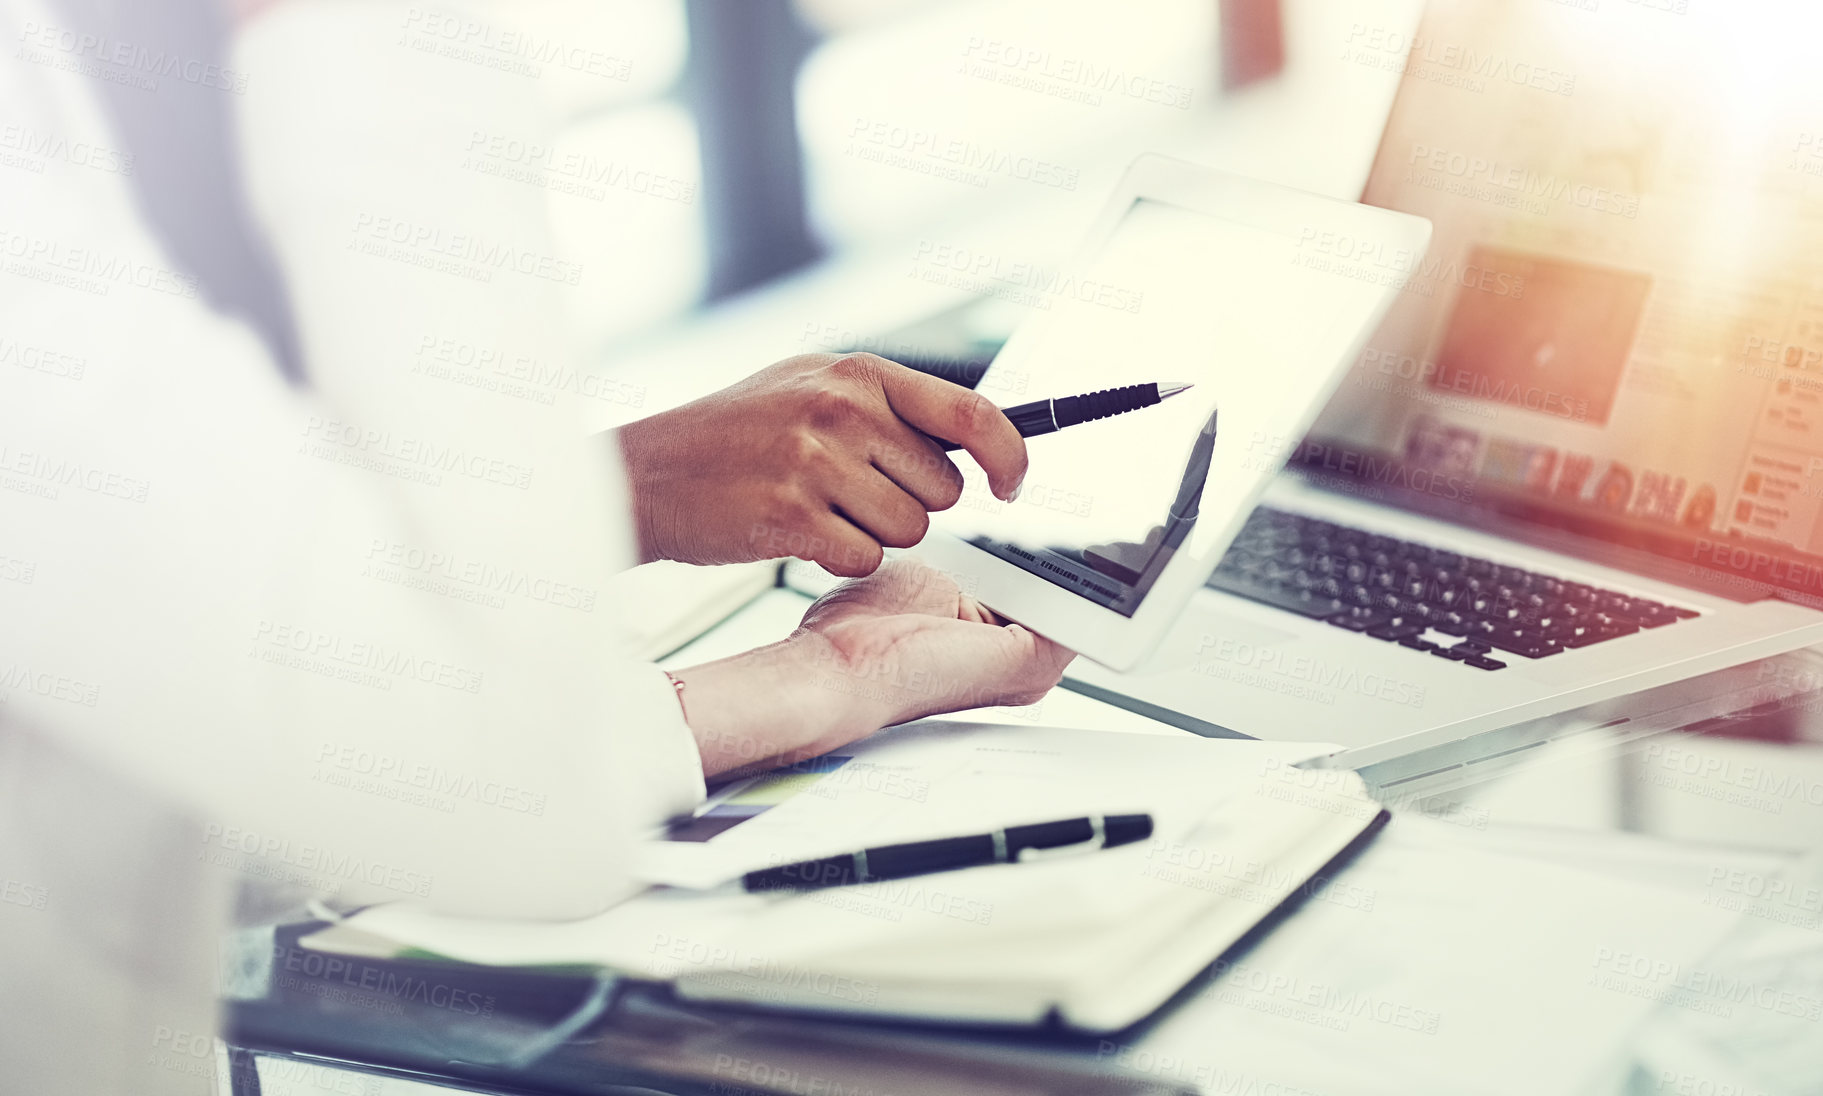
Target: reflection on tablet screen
[1172, 295]
[1117, 574]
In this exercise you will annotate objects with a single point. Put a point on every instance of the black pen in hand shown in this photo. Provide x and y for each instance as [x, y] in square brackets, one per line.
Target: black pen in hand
[1044, 416]
[1011, 845]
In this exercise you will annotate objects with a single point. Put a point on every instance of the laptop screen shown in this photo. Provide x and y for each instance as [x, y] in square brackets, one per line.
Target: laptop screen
[1618, 329]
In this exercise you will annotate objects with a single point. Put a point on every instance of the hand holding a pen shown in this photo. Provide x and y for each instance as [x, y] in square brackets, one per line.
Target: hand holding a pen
[825, 457]
[832, 458]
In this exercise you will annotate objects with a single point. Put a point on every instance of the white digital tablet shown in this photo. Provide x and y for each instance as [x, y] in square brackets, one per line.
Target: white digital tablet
[1258, 295]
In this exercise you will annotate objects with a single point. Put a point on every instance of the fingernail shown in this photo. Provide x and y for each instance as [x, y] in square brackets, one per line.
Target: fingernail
[1014, 496]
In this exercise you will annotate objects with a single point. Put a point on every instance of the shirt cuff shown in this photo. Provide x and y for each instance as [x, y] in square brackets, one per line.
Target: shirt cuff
[659, 748]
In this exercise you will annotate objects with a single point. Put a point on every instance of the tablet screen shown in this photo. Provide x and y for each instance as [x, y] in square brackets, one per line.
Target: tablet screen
[1257, 320]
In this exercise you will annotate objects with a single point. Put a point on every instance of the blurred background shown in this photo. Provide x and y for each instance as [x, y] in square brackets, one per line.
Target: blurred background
[790, 131]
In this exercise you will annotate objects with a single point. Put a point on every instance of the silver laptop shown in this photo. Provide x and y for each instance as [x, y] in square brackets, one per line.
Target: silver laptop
[1580, 460]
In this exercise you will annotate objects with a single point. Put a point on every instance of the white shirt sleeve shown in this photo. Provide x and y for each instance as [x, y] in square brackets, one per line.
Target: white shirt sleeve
[358, 625]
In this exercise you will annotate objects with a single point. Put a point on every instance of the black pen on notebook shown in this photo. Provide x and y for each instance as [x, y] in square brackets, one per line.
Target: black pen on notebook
[1044, 416]
[1014, 844]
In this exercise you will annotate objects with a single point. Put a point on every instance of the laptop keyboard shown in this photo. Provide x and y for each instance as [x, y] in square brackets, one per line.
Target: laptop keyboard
[1434, 601]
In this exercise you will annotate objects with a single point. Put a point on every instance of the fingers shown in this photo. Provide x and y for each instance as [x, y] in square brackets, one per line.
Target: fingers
[974, 612]
[1037, 665]
[1051, 656]
[882, 508]
[914, 462]
[843, 548]
[953, 413]
[846, 524]
[1046, 654]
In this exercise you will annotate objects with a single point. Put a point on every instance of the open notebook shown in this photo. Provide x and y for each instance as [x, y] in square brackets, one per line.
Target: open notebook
[1095, 941]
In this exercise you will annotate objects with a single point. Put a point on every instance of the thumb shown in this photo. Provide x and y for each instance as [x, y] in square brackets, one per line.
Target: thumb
[1048, 654]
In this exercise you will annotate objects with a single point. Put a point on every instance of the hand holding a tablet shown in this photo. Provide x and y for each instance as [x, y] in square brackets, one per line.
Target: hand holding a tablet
[898, 645]
[824, 457]
[1233, 285]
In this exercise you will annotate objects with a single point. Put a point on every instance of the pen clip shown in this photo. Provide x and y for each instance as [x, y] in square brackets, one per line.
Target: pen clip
[1097, 839]
[1056, 852]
